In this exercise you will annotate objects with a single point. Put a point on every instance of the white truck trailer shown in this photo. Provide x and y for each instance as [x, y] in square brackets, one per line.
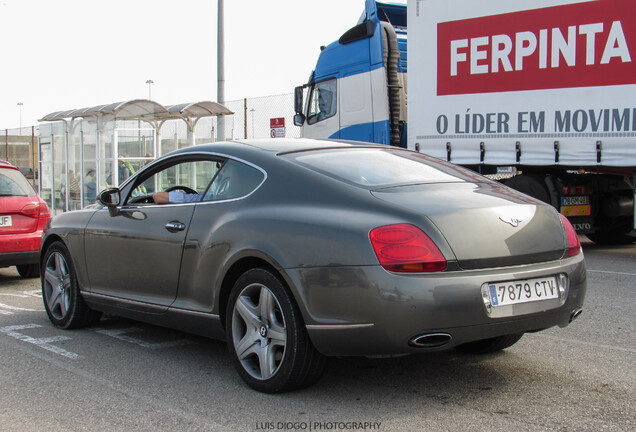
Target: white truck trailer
[540, 94]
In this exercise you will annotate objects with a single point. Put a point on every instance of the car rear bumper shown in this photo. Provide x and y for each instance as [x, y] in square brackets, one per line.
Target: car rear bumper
[369, 311]
[18, 258]
[16, 249]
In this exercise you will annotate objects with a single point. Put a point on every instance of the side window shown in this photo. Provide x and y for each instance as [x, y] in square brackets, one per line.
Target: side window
[235, 180]
[190, 178]
[323, 101]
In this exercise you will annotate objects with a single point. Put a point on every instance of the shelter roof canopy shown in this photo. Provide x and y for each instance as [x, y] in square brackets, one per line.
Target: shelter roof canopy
[143, 109]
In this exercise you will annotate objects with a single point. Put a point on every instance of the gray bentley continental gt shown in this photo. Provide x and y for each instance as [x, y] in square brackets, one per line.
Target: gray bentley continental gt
[293, 250]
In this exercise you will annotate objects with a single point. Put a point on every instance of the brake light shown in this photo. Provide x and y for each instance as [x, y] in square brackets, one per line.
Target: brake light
[45, 213]
[574, 245]
[36, 210]
[405, 248]
[31, 210]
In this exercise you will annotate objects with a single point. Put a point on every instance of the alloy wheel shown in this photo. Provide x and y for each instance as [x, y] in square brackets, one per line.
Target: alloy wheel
[57, 285]
[259, 333]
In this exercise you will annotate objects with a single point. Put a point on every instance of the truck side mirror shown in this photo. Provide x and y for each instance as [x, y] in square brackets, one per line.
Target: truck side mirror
[299, 119]
[298, 100]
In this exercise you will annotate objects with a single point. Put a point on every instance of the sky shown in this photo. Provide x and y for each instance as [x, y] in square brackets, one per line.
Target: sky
[65, 54]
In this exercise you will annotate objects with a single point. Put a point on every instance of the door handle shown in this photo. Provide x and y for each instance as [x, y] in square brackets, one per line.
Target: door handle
[175, 226]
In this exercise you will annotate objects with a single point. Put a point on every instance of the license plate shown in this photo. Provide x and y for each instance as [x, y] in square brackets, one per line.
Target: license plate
[5, 221]
[523, 291]
[575, 200]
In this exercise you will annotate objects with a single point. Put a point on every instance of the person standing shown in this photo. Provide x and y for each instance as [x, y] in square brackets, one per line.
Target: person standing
[90, 188]
[123, 172]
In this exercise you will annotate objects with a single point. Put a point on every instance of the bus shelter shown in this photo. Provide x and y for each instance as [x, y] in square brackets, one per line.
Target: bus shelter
[84, 151]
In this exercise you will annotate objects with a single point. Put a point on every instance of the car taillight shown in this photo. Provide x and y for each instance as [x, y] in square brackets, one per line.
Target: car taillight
[574, 245]
[45, 213]
[405, 248]
[31, 210]
[36, 210]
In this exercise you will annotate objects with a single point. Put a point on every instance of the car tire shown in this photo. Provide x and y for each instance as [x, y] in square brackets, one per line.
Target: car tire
[271, 354]
[27, 271]
[486, 346]
[63, 301]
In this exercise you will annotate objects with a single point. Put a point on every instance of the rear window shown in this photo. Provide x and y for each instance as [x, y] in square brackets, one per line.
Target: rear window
[13, 183]
[377, 167]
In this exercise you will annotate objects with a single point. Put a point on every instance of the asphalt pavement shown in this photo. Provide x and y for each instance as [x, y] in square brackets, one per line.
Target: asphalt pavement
[122, 375]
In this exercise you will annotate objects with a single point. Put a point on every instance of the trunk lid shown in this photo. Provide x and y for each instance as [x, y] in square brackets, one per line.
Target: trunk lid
[485, 224]
[19, 215]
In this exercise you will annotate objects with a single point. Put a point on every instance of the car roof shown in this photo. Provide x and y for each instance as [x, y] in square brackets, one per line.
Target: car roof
[274, 146]
[286, 145]
[5, 164]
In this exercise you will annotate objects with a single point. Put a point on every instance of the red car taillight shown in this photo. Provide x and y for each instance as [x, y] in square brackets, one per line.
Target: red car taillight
[574, 245]
[45, 213]
[36, 210]
[31, 210]
[405, 248]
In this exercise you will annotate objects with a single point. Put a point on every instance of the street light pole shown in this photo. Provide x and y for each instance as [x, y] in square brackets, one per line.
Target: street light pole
[150, 83]
[220, 70]
[252, 111]
[20, 105]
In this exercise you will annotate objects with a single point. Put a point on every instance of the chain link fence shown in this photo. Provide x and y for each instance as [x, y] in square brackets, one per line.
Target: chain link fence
[252, 117]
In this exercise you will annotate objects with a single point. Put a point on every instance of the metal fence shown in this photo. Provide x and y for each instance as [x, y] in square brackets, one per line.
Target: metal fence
[19, 146]
[252, 118]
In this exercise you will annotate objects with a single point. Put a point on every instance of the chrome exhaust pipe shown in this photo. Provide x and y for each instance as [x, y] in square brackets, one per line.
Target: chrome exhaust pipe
[575, 314]
[431, 340]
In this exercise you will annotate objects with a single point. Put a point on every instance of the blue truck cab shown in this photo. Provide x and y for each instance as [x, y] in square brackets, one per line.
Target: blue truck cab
[358, 88]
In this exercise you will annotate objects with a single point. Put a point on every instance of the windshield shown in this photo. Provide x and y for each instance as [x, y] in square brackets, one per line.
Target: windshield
[378, 167]
[13, 183]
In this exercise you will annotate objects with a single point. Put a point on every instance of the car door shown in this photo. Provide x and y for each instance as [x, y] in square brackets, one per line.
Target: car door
[134, 253]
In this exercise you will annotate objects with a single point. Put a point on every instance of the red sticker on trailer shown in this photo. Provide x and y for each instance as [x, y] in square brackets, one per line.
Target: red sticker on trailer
[578, 45]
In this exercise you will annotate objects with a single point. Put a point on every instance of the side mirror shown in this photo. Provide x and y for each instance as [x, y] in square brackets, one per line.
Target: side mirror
[299, 119]
[298, 100]
[111, 199]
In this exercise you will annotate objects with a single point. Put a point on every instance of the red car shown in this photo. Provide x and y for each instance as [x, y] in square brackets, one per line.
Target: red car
[23, 216]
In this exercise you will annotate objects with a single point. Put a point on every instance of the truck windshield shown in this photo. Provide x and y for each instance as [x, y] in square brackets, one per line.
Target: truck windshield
[322, 101]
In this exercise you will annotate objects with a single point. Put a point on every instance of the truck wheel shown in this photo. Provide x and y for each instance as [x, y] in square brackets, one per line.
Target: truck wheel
[530, 184]
[486, 346]
[266, 335]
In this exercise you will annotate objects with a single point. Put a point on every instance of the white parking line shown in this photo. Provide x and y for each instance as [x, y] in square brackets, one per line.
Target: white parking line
[121, 335]
[611, 272]
[16, 308]
[592, 344]
[44, 343]
[25, 294]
